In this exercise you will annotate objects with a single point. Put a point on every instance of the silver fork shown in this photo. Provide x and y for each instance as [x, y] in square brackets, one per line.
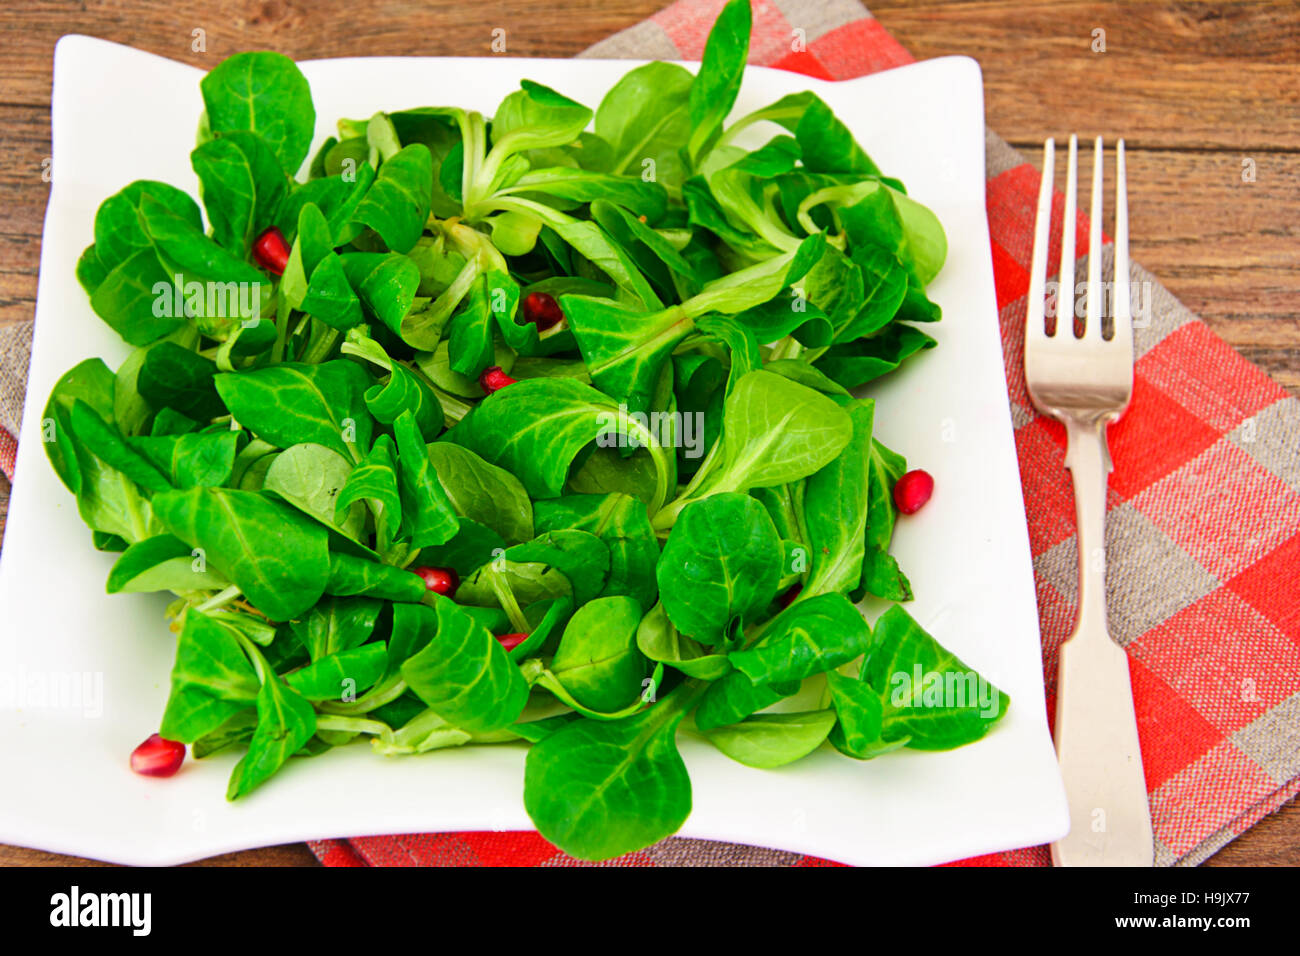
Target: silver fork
[1086, 383]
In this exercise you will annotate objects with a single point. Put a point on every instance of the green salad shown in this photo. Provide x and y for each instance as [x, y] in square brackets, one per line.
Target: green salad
[537, 430]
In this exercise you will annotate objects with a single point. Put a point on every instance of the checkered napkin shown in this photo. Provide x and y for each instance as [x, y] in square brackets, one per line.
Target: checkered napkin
[1203, 527]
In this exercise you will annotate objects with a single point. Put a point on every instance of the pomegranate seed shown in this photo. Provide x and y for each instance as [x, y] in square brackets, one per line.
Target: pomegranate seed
[511, 641]
[494, 379]
[440, 580]
[786, 599]
[157, 757]
[913, 490]
[542, 310]
[271, 251]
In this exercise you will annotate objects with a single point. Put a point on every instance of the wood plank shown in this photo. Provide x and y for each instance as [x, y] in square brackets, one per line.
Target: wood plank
[1189, 74]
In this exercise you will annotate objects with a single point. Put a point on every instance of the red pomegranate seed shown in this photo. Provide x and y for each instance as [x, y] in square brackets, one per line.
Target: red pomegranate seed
[271, 251]
[511, 641]
[786, 599]
[440, 580]
[158, 757]
[913, 490]
[542, 310]
[494, 379]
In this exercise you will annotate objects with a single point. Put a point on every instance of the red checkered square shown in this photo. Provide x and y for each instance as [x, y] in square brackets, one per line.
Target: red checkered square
[1011, 321]
[1206, 376]
[1173, 735]
[1206, 795]
[1049, 498]
[521, 848]
[1223, 657]
[805, 62]
[688, 25]
[1223, 508]
[1010, 278]
[1272, 586]
[1149, 445]
[1012, 199]
[1056, 616]
[858, 48]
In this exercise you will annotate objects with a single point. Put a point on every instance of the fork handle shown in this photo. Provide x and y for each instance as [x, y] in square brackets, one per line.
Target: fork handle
[1096, 729]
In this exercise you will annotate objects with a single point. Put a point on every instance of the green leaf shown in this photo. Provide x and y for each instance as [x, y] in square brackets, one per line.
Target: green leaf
[598, 789]
[119, 234]
[809, 637]
[470, 348]
[386, 283]
[341, 676]
[776, 431]
[107, 443]
[337, 624]
[350, 575]
[285, 722]
[264, 93]
[329, 295]
[397, 204]
[482, 492]
[243, 187]
[597, 660]
[465, 675]
[211, 680]
[827, 145]
[276, 556]
[194, 460]
[734, 697]
[836, 509]
[402, 392]
[926, 692]
[881, 574]
[161, 563]
[860, 717]
[535, 428]
[176, 377]
[853, 364]
[89, 381]
[721, 565]
[625, 350]
[374, 480]
[773, 740]
[718, 82]
[623, 524]
[660, 641]
[289, 404]
[311, 478]
[646, 116]
[581, 557]
[134, 299]
[427, 512]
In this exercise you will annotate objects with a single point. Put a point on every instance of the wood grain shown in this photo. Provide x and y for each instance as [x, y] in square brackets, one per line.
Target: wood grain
[1194, 87]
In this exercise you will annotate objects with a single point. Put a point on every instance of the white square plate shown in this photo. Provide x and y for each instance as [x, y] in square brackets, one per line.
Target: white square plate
[120, 115]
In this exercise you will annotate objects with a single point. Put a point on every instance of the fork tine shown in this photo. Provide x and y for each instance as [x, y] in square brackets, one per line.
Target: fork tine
[1065, 294]
[1092, 326]
[1035, 329]
[1122, 307]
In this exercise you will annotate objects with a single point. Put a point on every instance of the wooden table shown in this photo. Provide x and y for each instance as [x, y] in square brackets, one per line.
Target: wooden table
[1200, 90]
